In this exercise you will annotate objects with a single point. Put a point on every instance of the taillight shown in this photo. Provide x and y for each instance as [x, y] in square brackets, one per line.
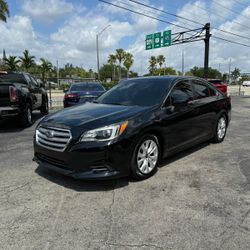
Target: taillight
[13, 94]
[70, 96]
[223, 88]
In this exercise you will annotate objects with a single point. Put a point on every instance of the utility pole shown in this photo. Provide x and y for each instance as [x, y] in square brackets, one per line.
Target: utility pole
[229, 71]
[182, 59]
[97, 49]
[182, 63]
[57, 73]
[206, 40]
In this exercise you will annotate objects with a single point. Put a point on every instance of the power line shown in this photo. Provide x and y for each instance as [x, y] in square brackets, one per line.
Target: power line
[155, 18]
[152, 17]
[209, 11]
[240, 3]
[233, 11]
[220, 38]
[187, 19]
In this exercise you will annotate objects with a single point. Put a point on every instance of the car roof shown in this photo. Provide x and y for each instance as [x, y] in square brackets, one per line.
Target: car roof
[84, 83]
[171, 78]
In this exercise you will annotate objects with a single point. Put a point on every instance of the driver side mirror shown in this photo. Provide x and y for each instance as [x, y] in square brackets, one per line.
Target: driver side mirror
[65, 90]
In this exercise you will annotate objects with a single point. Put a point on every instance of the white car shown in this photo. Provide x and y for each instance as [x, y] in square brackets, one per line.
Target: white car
[246, 84]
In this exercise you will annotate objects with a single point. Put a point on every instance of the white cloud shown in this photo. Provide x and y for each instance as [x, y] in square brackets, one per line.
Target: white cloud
[17, 35]
[47, 10]
[75, 40]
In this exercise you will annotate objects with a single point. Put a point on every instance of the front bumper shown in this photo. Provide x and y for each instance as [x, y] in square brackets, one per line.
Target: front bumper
[88, 161]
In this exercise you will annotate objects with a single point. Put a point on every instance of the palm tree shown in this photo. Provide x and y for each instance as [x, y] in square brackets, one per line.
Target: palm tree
[45, 67]
[4, 11]
[11, 63]
[161, 60]
[27, 61]
[112, 61]
[152, 64]
[128, 62]
[120, 56]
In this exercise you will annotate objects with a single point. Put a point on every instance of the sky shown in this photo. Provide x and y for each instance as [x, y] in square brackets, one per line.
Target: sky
[65, 30]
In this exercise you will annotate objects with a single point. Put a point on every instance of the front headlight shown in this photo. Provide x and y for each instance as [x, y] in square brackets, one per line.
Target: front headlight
[105, 133]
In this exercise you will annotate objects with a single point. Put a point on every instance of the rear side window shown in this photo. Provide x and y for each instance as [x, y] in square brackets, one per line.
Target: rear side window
[12, 78]
[181, 93]
[201, 90]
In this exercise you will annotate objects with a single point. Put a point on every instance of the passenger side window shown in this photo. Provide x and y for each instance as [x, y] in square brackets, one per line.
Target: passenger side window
[34, 82]
[201, 90]
[181, 94]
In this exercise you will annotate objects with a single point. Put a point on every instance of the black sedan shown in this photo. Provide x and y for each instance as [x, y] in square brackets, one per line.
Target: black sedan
[82, 92]
[131, 127]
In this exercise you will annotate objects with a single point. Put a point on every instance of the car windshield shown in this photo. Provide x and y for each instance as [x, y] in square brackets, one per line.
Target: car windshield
[12, 78]
[86, 87]
[136, 92]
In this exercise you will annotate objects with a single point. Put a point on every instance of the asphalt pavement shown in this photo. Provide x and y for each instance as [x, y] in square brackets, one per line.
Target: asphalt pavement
[198, 199]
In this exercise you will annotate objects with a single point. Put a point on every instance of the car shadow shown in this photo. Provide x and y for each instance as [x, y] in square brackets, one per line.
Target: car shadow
[12, 125]
[81, 185]
[106, 185]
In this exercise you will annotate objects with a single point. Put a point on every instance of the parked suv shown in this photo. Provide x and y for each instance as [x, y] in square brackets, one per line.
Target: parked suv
[20, 94]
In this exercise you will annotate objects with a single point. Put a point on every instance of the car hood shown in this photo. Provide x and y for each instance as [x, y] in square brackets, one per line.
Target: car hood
[92, 115]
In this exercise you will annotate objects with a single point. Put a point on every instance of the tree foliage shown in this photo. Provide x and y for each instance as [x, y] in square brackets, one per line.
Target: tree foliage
[120, 56]
[128, 62]
[161, 60]
[11, 63]
[199, 72]
[152, 64]
[4, 10]
[27, 61]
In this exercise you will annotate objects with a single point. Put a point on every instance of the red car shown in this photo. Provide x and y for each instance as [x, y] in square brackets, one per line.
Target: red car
[219, 85]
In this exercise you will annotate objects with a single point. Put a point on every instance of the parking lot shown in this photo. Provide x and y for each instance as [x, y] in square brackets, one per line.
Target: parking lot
[198, 199]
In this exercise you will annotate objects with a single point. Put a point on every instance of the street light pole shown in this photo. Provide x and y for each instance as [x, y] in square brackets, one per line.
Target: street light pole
[97, 49]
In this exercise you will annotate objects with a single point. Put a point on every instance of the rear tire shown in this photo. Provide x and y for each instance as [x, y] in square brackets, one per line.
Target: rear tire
[221, 129]
[26, 117]
[44, 110]
[145, 157]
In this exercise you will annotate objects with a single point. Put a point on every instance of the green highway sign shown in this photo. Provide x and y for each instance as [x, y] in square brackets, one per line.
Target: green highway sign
[157, 40]
[149, 41]
[167, 41]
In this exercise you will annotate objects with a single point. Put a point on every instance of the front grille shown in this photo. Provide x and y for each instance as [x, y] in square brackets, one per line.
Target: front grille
[55, 139]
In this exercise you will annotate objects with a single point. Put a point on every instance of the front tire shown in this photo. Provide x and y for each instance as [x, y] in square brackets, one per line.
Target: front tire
[26, 117]
[221, 129]
[145, 157]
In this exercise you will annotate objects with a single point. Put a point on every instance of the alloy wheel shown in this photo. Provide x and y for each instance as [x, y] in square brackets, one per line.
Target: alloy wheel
[147, 156]
[221, 128]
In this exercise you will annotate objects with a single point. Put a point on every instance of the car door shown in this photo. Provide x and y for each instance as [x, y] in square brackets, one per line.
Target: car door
[34, 90]
[204, 105]
[179, 116]
[38, 91]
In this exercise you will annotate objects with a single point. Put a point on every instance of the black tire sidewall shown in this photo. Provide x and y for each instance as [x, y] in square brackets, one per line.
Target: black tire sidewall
[25, 122]
[135, 171]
